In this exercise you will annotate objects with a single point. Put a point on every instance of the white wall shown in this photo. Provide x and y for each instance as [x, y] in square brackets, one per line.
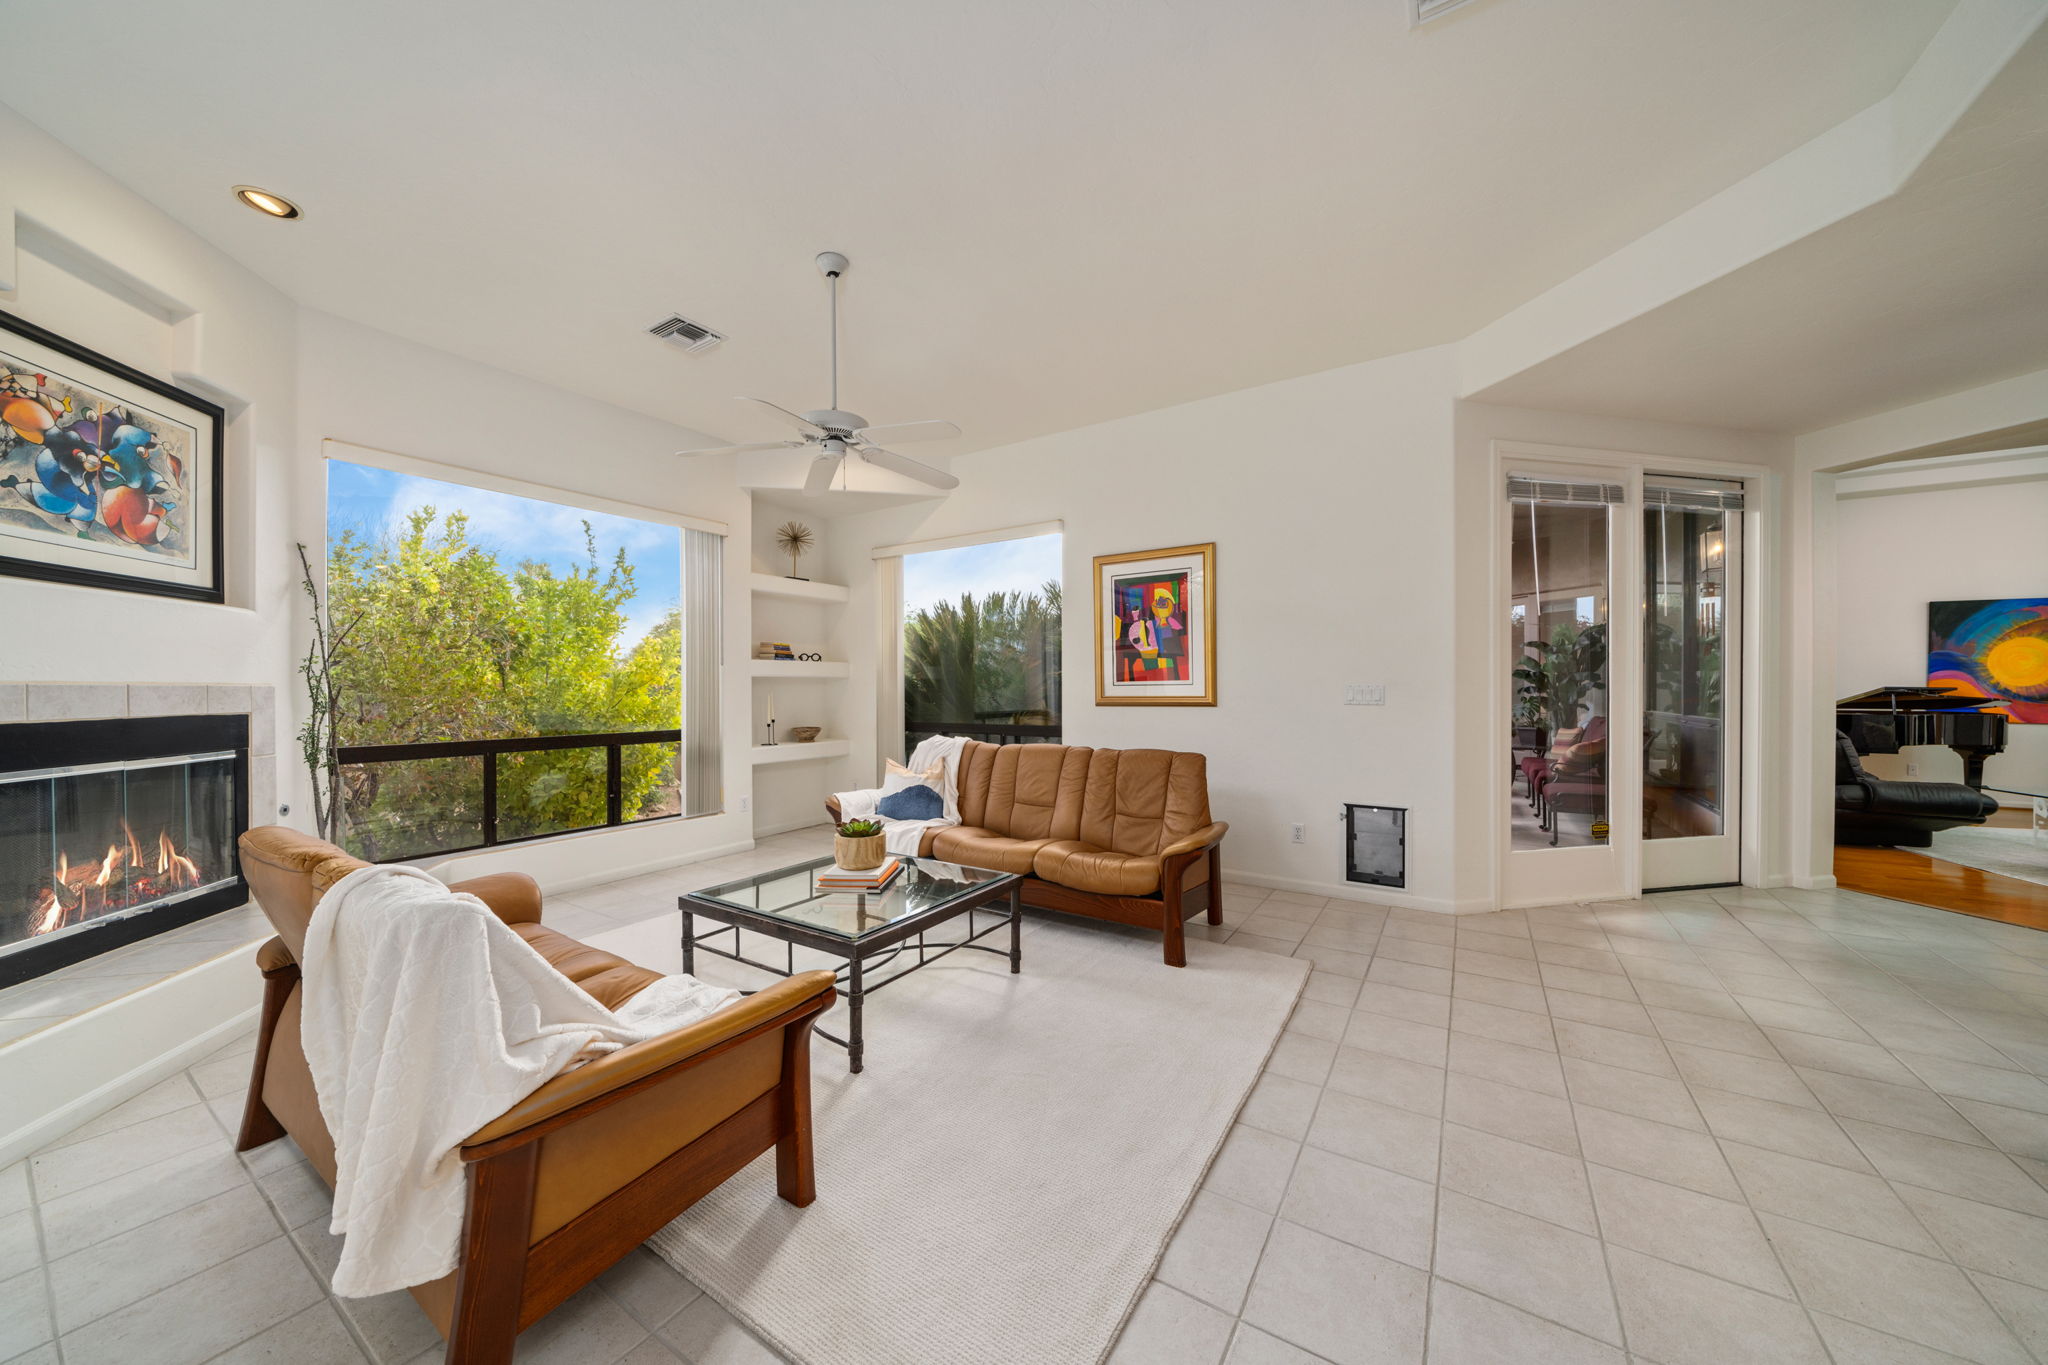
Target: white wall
[1895, 553]
[101, 267]
[1329, 498]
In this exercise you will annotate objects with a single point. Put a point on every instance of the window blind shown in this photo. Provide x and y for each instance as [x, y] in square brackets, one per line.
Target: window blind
[1693, 499]
[1585, 493]
[703, 623]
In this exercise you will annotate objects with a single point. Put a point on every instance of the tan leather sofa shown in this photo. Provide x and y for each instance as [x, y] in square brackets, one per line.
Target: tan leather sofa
[1116, 834]
[588, 1166]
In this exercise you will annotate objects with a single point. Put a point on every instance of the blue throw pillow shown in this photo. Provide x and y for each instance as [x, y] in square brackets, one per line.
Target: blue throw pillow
[912, 803]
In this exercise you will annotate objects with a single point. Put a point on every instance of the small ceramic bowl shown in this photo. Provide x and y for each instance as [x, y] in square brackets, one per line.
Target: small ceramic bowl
[804, 734]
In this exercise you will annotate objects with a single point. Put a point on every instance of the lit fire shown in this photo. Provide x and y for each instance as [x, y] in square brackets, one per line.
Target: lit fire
[124, 877]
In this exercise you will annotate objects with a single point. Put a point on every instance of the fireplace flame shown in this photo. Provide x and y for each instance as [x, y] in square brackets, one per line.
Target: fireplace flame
[121, 880]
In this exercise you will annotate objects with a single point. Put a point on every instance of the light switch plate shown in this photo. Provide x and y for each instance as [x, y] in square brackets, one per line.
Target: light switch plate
[1365, 694]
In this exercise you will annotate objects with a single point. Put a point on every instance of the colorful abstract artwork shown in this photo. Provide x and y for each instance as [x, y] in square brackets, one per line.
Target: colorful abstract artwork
[1155, 624]
[1152, 628]
[108, 478]
[1996, 649]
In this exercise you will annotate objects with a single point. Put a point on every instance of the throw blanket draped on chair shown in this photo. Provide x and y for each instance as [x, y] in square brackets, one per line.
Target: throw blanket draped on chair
[902, 837]
[426, 1017]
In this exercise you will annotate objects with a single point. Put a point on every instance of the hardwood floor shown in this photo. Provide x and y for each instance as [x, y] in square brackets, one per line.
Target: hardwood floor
[1908, 875]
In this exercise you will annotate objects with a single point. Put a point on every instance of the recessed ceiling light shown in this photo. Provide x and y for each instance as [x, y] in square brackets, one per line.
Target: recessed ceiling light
[263, 201]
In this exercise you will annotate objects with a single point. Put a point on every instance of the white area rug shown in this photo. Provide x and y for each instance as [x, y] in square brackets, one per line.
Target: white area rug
[998, 1184]
[2012, 852]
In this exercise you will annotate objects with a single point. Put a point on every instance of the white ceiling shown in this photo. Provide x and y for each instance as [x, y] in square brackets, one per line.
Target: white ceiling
[1942, 287]
[1058, 213]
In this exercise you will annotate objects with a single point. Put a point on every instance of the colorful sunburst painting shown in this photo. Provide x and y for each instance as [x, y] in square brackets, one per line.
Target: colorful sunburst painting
[1996, 649]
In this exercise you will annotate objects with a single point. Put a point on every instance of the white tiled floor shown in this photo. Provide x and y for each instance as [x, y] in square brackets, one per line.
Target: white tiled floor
[1692, 1130]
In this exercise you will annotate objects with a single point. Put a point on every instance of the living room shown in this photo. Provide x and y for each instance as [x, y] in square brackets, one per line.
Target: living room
[1279, 980]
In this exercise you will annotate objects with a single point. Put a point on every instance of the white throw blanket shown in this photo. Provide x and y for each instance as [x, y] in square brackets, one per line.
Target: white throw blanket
[903, 837]
[425, 1017]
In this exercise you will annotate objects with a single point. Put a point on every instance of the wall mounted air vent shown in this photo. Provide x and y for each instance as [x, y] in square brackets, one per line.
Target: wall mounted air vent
[678, 330]
[1422, 11]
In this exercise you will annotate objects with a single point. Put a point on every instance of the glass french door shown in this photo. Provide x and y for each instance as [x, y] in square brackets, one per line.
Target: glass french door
[1692, 670]
[1622, 612]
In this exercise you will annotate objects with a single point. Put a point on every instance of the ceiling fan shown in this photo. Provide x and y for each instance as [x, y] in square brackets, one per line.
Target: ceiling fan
[832, 434]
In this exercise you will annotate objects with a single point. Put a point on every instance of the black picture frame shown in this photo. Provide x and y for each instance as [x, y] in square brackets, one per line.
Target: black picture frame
[1388, 828]
[212, 556]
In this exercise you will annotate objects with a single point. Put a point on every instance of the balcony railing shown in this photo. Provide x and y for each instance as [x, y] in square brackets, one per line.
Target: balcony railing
[986, 732]
[438, 801]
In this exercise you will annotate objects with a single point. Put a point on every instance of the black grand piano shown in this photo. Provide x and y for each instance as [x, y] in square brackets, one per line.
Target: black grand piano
[1884, 720]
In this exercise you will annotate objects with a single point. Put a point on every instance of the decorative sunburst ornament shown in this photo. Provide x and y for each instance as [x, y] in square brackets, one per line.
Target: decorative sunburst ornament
[795, 539]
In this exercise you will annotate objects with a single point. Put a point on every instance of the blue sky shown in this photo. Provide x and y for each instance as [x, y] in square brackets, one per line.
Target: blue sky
[374, 503]
[1004, 566]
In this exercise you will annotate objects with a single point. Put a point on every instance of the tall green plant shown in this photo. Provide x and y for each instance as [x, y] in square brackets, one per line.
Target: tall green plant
[984, 658]
[451, 645]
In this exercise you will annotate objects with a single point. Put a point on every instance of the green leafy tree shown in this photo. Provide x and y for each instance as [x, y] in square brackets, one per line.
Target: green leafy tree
[449, 644]
[994, 659]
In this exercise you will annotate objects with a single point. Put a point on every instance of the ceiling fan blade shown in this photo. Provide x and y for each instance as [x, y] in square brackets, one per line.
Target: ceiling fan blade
[786, 417]
[909, 431]
[819, 479]
[909, 468]
[739, 450]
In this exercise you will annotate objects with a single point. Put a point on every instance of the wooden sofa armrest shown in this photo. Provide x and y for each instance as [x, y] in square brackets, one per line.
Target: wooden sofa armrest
[617, 1074]
[1208, 836]
[832, 808]
[514, 896]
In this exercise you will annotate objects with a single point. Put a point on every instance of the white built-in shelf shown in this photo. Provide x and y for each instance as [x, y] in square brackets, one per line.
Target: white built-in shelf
[788, 752]
[802, 590]
[798, 668]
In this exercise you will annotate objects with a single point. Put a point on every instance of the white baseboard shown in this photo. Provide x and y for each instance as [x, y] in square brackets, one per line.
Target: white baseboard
[1353, 891]
[71, 1073]
[1812, 883]
[789, 827]
[620, 871]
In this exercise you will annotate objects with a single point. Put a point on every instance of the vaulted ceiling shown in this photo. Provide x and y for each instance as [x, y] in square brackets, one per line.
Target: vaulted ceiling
[1058, 213]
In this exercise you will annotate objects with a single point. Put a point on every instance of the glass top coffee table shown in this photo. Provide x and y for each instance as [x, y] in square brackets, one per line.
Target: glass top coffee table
[869, 930]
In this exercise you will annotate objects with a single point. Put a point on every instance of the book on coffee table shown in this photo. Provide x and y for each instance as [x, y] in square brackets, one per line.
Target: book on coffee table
[839, 879]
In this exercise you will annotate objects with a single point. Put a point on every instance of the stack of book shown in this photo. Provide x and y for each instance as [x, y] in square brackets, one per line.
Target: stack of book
[774, 649]
[839, 879]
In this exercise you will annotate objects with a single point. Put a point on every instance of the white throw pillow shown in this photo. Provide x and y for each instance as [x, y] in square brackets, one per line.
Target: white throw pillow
[896, 777]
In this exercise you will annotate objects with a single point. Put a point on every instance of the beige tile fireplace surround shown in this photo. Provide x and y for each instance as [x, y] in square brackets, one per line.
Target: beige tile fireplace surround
[78, 1040]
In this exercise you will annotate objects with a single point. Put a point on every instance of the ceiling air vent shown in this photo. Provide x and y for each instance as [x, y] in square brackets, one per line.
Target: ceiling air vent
[1422, 11]
[678, 330]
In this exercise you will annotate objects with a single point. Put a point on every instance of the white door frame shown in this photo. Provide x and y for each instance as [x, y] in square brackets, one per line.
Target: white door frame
[1758, 626]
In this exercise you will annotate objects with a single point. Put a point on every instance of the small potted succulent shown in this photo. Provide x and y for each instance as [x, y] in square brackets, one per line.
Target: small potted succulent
[857, 845]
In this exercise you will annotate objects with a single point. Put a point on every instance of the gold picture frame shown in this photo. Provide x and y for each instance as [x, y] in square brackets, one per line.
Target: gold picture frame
[1155, 627]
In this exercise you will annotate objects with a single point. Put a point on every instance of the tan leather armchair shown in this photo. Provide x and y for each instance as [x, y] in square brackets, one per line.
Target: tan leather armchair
[1115, 834]
[588, 1166]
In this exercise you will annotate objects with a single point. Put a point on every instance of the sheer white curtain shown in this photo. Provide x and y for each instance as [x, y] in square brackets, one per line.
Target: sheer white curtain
[703, 634]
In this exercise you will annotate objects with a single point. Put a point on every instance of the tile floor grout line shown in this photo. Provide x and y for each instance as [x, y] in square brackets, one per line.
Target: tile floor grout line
[35, 1212]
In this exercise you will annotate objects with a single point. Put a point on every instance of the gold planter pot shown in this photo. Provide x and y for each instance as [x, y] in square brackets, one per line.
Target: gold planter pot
[863, 854]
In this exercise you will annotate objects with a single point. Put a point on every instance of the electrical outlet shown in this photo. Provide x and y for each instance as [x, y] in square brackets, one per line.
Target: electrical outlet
[1912, 770]
[1300, 833]
[1365, 694]
[746, 804]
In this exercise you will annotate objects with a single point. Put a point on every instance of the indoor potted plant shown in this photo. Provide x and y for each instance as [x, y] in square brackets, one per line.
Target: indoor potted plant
[857, 846]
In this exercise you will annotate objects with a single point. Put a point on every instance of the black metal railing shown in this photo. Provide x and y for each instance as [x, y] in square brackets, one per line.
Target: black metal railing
[363, 756]
[986, 732]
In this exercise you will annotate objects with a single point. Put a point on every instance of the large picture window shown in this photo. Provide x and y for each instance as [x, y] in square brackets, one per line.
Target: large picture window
[512, 667]
[981, 642]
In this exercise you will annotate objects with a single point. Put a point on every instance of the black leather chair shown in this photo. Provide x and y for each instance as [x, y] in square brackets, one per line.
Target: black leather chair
[1870, 811]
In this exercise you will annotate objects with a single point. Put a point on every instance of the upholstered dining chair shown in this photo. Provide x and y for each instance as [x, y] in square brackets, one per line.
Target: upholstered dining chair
[588, 1166]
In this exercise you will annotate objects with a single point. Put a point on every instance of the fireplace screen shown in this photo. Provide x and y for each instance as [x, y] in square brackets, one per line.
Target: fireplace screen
[83, 846]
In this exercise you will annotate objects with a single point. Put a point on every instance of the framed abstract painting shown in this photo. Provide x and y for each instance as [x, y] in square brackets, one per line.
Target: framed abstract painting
[108, 478]
[1155, 627]
[1995, 648]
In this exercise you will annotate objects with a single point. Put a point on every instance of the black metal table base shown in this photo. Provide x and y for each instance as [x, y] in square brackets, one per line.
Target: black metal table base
[853, 982]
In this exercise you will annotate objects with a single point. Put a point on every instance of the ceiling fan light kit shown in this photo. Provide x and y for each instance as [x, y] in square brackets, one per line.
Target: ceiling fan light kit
[833, 433]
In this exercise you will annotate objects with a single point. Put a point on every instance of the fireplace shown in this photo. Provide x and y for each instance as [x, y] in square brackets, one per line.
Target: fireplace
[114, 830]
